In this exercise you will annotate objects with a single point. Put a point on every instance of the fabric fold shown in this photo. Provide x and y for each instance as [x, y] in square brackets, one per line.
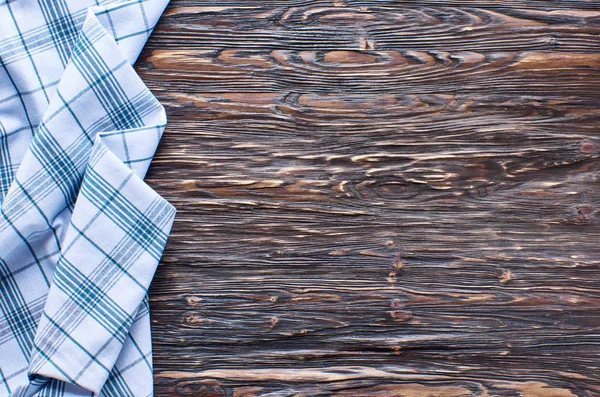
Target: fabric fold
[100, 294]
[81, 233]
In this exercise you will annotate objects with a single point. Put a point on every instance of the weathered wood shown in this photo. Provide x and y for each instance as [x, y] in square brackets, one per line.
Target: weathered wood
[378, 198]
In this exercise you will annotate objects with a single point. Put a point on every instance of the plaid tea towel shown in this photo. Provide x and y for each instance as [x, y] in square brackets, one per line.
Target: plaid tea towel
[81, 233]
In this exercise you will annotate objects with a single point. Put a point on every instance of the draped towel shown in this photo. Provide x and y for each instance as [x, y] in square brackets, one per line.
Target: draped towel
[81, 233]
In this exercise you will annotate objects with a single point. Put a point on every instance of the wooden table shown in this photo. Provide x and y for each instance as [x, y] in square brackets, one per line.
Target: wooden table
[378, 198]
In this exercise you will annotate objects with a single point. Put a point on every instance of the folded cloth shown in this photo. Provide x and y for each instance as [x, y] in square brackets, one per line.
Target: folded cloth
[81, 233]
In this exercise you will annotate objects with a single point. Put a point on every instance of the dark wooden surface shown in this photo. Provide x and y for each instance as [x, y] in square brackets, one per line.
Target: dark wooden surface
[378, 198]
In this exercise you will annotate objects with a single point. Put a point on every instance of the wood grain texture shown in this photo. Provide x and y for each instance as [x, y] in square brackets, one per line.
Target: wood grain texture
[378, 198]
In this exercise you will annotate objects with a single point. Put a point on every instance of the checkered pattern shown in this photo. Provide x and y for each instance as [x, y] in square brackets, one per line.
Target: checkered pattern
[81, 233]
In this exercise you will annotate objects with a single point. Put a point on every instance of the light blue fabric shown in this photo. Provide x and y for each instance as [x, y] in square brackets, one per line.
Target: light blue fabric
[81, 233]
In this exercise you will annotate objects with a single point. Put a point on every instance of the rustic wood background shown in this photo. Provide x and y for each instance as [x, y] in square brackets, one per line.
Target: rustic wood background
[378, 198]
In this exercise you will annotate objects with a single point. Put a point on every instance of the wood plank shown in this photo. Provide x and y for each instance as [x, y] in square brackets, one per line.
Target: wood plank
[380, 26]
[378, 199]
